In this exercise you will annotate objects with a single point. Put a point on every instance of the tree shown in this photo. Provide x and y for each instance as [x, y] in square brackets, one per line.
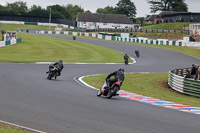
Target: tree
[179, 5]
[126, 7]
[73, 11]
[107, 10]
[18, 8]
[139, 20]
[60, 10]
[88, 11]
[167, 5]
[38, 11]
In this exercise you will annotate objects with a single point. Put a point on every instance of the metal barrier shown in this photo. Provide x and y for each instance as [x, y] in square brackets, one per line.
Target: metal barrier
[183, 85]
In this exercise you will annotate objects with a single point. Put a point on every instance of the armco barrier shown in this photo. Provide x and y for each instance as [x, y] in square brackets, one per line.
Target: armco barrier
[10, 42]
[187, 86]
[7, 42]
[18, 40]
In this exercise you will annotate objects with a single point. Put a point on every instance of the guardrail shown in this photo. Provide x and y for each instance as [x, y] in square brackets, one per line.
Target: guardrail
[122, 39]
[10, 42]
[183, 85]
[133, 30]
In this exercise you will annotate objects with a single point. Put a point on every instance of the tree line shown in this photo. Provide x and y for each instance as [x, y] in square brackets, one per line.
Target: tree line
[20, 8]
[69, 11]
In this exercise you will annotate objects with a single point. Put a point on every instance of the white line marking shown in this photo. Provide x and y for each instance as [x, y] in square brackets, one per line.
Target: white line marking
[22, 127]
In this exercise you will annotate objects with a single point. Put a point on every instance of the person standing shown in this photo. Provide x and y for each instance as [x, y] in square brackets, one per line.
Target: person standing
[193, 71]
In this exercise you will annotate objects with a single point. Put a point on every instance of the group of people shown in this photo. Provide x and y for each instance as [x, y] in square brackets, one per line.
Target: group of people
[194, 73]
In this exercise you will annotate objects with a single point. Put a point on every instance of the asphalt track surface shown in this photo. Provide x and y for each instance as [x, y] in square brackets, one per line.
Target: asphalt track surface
[64, 106]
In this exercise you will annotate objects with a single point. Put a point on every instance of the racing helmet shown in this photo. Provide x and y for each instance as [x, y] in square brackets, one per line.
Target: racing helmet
[121, 69]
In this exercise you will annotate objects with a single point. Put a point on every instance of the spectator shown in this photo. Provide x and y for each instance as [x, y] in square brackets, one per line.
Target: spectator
[188, 75]
[193, 71]
[191, 18]
[198, 73]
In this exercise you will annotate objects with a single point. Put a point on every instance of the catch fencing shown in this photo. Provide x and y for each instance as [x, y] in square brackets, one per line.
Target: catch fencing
[34, 19]
[183, 85]
[132, 30]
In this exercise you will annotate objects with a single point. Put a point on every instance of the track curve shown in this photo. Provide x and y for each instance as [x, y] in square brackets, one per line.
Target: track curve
[63, 106]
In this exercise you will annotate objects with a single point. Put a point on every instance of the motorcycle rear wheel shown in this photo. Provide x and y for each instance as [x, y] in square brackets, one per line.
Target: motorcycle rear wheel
[112, 92]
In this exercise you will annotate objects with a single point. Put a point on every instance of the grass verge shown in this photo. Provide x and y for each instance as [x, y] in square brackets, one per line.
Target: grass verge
[9, 129]
[148, 84]
[13, 27]
[37, 48]
[168, 26]
[0, 36]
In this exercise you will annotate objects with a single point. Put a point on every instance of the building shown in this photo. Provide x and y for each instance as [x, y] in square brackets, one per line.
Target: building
[170, 16]
[102, 21]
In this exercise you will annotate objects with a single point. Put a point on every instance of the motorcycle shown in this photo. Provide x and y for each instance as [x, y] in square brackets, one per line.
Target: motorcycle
[126, 61]
[137, 53]
[74, 38]
[53, 73]
[109, 92]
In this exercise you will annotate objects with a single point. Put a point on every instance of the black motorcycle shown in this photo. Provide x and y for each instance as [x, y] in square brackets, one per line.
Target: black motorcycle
[74, 38]
[126, 61]
[53, 73]
[137, 53]
[111, 91]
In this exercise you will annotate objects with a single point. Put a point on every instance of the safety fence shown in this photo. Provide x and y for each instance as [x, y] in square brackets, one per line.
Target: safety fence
[183, 85]
[138, 30]
[10, 42]
[120, 39]
[37, 23]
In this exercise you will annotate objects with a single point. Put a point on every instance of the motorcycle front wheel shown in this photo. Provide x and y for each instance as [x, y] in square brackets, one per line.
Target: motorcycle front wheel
[99, 93]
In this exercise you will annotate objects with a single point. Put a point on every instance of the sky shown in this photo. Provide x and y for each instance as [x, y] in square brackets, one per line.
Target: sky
[141, 5]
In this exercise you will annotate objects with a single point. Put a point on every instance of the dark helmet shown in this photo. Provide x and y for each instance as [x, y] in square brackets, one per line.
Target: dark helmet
[60, 61]
[121, 69]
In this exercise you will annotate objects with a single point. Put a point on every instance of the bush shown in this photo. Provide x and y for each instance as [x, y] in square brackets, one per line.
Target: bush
[1, 39]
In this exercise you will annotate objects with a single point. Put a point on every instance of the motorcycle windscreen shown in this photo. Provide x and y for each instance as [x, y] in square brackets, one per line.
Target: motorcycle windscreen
[104, 85]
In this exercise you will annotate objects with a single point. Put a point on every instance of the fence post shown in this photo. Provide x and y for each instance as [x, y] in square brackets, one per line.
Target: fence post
[156, 42]
[161, 42]
[167, 43]
[174, 43]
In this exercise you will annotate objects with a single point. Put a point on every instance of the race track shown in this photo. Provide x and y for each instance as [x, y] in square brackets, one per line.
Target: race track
[64, 106]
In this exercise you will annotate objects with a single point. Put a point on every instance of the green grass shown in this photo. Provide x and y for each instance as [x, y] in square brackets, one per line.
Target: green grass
[8, 129]
[37, 48]
[14, 27]
[168, 26]
[1, 37]
[151, 84]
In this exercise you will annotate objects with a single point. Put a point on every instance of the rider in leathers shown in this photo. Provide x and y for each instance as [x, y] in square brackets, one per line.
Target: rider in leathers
[126, 57]
[58, 65]
[118, 76]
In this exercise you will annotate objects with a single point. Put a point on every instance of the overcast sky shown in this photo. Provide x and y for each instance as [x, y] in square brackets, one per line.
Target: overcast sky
[141, 5]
